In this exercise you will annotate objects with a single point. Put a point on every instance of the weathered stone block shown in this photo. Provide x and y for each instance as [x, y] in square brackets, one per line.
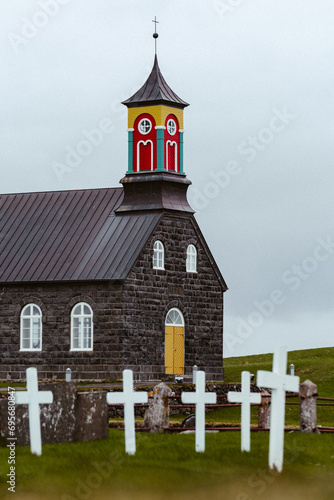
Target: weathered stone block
[71, 417]
[91, 416]
[157, 414]
[308, 393]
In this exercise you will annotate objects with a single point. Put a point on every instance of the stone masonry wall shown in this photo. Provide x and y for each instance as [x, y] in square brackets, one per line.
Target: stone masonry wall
[56, 302]
[129, 317]
[150, 293]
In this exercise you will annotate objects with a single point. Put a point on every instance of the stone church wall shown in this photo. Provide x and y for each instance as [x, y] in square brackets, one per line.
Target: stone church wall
[56, 302]
[150, 293]
[129, 317]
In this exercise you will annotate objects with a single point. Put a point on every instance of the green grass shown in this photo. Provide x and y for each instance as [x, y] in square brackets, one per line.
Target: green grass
[314, 364]
[167, 467]
[5, 385]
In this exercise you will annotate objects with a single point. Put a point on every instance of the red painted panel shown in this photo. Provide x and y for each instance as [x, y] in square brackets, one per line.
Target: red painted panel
[144, 144]
[172, 142]
[170, 156]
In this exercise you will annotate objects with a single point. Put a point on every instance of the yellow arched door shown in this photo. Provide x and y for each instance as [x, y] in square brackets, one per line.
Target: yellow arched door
[174, 342]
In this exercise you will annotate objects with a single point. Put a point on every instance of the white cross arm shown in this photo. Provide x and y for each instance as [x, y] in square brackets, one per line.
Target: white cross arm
[141, 397]
[115, 398]
[192, 398]
[277, 381]
[121, 398]
[24, 398]
[239, 397]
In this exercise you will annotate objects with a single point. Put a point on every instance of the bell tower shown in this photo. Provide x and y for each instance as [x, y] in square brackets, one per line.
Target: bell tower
[155, 177]
[155, 127]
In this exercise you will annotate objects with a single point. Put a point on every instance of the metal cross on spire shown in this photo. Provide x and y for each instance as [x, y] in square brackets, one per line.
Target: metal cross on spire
[155, 34]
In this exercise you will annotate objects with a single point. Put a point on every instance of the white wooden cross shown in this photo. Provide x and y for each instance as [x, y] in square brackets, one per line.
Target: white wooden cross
[128, 398]
[279, 382]
[200, 398]
[33, 398]
[245, 397]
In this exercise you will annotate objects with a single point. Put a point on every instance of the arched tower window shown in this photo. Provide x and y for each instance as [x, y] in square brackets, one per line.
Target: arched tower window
[31, 328]
[191, 263]
[158, 255]
[82, 327]
[144, 144]
[172, 144]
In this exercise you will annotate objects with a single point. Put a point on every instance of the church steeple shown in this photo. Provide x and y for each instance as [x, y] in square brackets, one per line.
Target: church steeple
[155, 178]
[155, 126]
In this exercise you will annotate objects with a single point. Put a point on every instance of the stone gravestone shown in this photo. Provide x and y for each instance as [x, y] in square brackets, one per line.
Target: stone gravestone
[156, 416]
[308, 392]
[73, 416]
[91, 416]
[264, 410]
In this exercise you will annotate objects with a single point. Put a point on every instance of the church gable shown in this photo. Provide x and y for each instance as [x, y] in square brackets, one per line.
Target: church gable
[154, 288]
[176, 232]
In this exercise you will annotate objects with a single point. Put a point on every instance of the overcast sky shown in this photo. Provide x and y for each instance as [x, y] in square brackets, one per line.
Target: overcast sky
[259, 77]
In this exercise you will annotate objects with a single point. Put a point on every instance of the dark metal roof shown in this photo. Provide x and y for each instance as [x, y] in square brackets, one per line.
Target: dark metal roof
[69, 235]
[155, 91]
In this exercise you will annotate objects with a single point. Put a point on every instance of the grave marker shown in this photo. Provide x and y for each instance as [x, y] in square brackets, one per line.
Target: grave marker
[33, 398]
[200, 398]
[128, 398]
[279, 382]
[245, 397]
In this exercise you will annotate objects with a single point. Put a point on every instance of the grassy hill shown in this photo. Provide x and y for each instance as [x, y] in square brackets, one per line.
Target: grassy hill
[316, 365]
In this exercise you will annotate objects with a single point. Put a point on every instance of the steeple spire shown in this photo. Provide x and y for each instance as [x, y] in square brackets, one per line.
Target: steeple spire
[155, 91]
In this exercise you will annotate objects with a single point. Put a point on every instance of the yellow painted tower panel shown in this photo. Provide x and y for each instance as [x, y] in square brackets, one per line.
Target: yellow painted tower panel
[159, 113]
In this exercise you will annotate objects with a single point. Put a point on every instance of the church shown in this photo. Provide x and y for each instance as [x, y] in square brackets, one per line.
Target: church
[99, 280]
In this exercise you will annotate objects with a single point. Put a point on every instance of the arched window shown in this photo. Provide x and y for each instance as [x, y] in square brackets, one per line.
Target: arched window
[158, 255]
[82, 327]
[174, 318]
[191, 263]
[31, 328]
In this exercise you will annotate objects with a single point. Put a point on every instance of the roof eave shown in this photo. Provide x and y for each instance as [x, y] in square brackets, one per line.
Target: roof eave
[156, 102]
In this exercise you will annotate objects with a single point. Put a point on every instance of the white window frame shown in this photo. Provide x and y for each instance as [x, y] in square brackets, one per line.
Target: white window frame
[31, 317]
[83, 316]
[139, 126]
[172, 143]
[179, 317]
[191, 262]
[138, 153]
[158, 255]
[169, 124]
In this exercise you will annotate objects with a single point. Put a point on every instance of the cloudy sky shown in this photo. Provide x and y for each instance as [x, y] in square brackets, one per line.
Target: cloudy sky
[259, 75]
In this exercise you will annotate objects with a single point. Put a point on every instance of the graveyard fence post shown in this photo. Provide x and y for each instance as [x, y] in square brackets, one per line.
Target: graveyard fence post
[308, 393]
